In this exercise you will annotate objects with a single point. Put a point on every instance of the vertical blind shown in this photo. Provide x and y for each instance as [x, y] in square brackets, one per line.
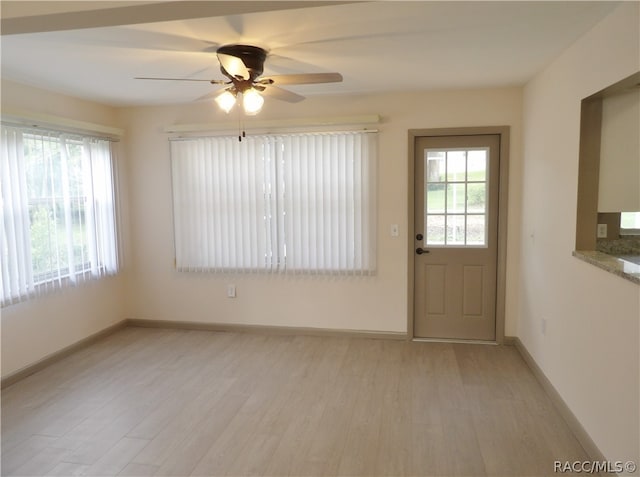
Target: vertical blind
[58, 211]
[287, 203]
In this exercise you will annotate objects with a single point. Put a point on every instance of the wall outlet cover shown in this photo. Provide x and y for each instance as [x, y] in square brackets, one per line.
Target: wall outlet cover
[602, 230]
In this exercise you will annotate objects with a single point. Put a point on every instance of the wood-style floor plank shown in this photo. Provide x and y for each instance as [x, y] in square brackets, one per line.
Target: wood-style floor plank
[152, 402]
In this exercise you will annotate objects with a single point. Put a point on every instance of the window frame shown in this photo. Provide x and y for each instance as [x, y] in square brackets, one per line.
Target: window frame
[92, 150]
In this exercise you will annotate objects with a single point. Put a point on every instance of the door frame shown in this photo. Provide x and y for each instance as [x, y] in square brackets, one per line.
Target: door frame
[501, 267]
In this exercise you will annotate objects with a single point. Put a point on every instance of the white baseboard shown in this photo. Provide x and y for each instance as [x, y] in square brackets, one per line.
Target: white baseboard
[572, 421]
[190, 325]
[267, 329]
[58, 355]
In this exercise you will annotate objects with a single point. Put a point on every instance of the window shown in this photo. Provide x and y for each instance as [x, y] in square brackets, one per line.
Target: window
[57, 211]
[456, 197]
[630, 223]
[289, 202]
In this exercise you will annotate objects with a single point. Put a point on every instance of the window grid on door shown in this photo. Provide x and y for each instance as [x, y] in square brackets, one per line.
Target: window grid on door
[455, 197]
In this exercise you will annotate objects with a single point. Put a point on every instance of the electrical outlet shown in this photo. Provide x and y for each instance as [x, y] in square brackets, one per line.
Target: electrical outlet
[231, 291]
[602, 230]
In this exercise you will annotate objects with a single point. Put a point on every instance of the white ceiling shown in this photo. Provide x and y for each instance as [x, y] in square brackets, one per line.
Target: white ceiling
[377, 46]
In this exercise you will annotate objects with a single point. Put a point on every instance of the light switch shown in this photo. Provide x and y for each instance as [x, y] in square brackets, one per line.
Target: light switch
[395, 231]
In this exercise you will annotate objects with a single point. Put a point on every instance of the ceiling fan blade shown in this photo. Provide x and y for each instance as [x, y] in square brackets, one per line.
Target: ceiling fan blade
[180, 79]
[233, 65]
[211, 95]
[310, 78]
[281, 94]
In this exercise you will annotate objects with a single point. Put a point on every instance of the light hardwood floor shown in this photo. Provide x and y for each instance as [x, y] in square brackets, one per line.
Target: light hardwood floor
[171, 402]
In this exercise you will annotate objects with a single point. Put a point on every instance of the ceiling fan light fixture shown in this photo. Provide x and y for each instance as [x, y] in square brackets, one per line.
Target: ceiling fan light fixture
[252, 101]
[226, 101]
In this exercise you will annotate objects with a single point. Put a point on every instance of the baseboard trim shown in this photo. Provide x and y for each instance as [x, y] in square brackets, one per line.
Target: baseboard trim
[266, 329]
[454, 341]
[58, 355]
[569, 417]
[33, 368]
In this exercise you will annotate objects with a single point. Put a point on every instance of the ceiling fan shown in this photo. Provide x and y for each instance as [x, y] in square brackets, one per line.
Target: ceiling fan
[243, 66]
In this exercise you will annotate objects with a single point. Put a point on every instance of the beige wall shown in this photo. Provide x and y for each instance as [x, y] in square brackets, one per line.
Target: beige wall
[619, 186]
[41, 326]
[373, 303]
[590, 351]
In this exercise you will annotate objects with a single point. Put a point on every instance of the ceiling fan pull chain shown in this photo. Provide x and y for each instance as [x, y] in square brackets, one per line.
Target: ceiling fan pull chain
[241, 127]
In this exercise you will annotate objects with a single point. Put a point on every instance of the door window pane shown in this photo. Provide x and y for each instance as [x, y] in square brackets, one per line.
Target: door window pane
[436, 166]
[455, 230]
[456, 197]
[434, 230]
[476, 197]
[477, 165]
[456, 165]
[476, 230]
[435, 198]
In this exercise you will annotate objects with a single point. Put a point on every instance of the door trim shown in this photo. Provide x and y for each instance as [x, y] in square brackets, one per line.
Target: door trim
[503, 132]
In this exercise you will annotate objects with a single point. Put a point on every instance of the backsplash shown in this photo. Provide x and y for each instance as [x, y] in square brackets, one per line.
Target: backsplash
[622, 246]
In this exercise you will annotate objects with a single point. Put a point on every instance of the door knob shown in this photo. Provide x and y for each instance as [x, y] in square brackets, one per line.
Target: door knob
[420, 251]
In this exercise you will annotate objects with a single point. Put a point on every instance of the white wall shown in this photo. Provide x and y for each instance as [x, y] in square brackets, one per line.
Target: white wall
[41, 326]
[375, 303]
[590, 350]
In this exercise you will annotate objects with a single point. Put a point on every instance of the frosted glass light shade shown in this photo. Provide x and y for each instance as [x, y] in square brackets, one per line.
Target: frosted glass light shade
[226, 101]
[252, 102]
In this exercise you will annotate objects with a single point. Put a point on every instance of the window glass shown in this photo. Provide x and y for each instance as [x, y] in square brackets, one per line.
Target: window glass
[456, 197]
[630, 223]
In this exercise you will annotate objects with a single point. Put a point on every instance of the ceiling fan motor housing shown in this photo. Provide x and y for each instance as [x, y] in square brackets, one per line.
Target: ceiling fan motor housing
[253, 58]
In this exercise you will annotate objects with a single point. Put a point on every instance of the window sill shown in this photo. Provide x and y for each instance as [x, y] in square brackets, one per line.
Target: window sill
[612, 264]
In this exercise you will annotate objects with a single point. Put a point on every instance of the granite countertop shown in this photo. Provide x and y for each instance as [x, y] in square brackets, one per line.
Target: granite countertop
[616, 265]
[620, 246]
